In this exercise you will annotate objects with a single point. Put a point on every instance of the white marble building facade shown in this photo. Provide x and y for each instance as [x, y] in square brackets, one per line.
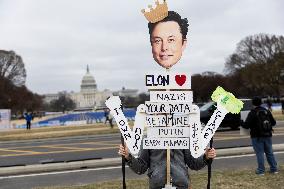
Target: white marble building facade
[88, 97]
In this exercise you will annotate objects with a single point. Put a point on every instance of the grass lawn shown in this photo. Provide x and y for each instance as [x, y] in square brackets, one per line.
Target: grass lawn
[56, 131]
[278, 115]
[229, 179]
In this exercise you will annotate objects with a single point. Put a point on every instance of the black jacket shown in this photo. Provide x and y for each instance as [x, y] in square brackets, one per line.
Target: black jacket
[155, 162]
[251, 123]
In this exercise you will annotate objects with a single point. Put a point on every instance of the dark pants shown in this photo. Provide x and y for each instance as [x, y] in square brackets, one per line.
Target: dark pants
[28, 125]
[110, 122]
[263, 145]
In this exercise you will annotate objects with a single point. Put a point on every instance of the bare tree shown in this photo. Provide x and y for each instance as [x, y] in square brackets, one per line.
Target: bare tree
[63, 103]
[12, 67]
[255, 49]
[18, 99]
[258, 60]
[204, 84]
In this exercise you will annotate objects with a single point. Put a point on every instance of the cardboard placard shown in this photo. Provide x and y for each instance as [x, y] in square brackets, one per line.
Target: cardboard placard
[171, 96]
[166, 143]
[168, 107]
[173, 120]
[167, 132]
[132, 138]
[5, 119]
[168, 80]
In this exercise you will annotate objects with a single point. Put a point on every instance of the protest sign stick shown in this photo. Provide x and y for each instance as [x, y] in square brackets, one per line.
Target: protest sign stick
[226, 102]
[168, 155]
[169, 186]
[123, 164]
[168, 166]
[123, 160]
[209, 166]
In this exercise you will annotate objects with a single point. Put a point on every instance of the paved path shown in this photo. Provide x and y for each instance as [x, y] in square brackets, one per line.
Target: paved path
[96, 147]
[94, 175]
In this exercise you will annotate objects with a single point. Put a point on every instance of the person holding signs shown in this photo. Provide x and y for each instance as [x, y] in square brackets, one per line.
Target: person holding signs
[168, 41]
[155, 162]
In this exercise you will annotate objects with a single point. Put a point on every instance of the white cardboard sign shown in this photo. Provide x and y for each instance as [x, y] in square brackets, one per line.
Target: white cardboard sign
[132, 138]
[168, 107]
[167, 132]
[5, 118]
[167, 120]
[165, 143]
[168, 80]
[171, 96]
[199, 139]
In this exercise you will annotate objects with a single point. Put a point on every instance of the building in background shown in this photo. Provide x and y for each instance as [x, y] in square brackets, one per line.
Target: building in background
[89, 96]
[133, 93]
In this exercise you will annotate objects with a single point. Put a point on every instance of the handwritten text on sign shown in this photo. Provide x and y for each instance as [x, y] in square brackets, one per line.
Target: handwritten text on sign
[167, 120]
[167, 132]
[166, 96]
[133, 138]
[168, 107]
[199, 139]
[165, 143]
[168, 81]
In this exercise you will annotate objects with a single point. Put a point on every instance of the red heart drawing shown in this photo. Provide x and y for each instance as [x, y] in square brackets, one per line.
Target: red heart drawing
[180, 79]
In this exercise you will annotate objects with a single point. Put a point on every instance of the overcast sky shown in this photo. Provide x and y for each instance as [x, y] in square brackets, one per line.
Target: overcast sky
[57, 39]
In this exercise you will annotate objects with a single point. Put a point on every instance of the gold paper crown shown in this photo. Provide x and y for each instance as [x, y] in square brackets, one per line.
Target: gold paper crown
[157, 14]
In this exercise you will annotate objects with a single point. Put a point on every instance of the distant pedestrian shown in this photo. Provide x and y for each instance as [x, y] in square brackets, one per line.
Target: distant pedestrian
[108, 117]
[282, 104]
[269, 104]
[260, 122]
[106, 113]
[29, 118]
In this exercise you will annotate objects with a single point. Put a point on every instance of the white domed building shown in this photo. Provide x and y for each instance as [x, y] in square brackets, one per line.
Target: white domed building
[89, 96]
[88, 84]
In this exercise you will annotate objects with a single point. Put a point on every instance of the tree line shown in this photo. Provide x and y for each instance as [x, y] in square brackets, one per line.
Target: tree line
[14, 94]
[255, 68]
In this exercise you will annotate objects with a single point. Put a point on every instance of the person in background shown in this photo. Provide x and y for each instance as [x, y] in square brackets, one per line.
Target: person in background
[282, 105]
[269, 105]
[28, 118]
[260, 122]
[108, 117]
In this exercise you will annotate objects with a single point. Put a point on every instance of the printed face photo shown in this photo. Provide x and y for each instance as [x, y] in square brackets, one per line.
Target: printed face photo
[167, 43]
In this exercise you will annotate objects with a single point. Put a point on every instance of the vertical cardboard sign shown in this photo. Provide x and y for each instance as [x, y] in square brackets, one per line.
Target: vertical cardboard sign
[5, 118]
[168, 80]
[132, 137]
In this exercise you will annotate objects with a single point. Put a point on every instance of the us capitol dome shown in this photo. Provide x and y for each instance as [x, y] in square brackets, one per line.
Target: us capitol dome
[89, 96]
[88, 84]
